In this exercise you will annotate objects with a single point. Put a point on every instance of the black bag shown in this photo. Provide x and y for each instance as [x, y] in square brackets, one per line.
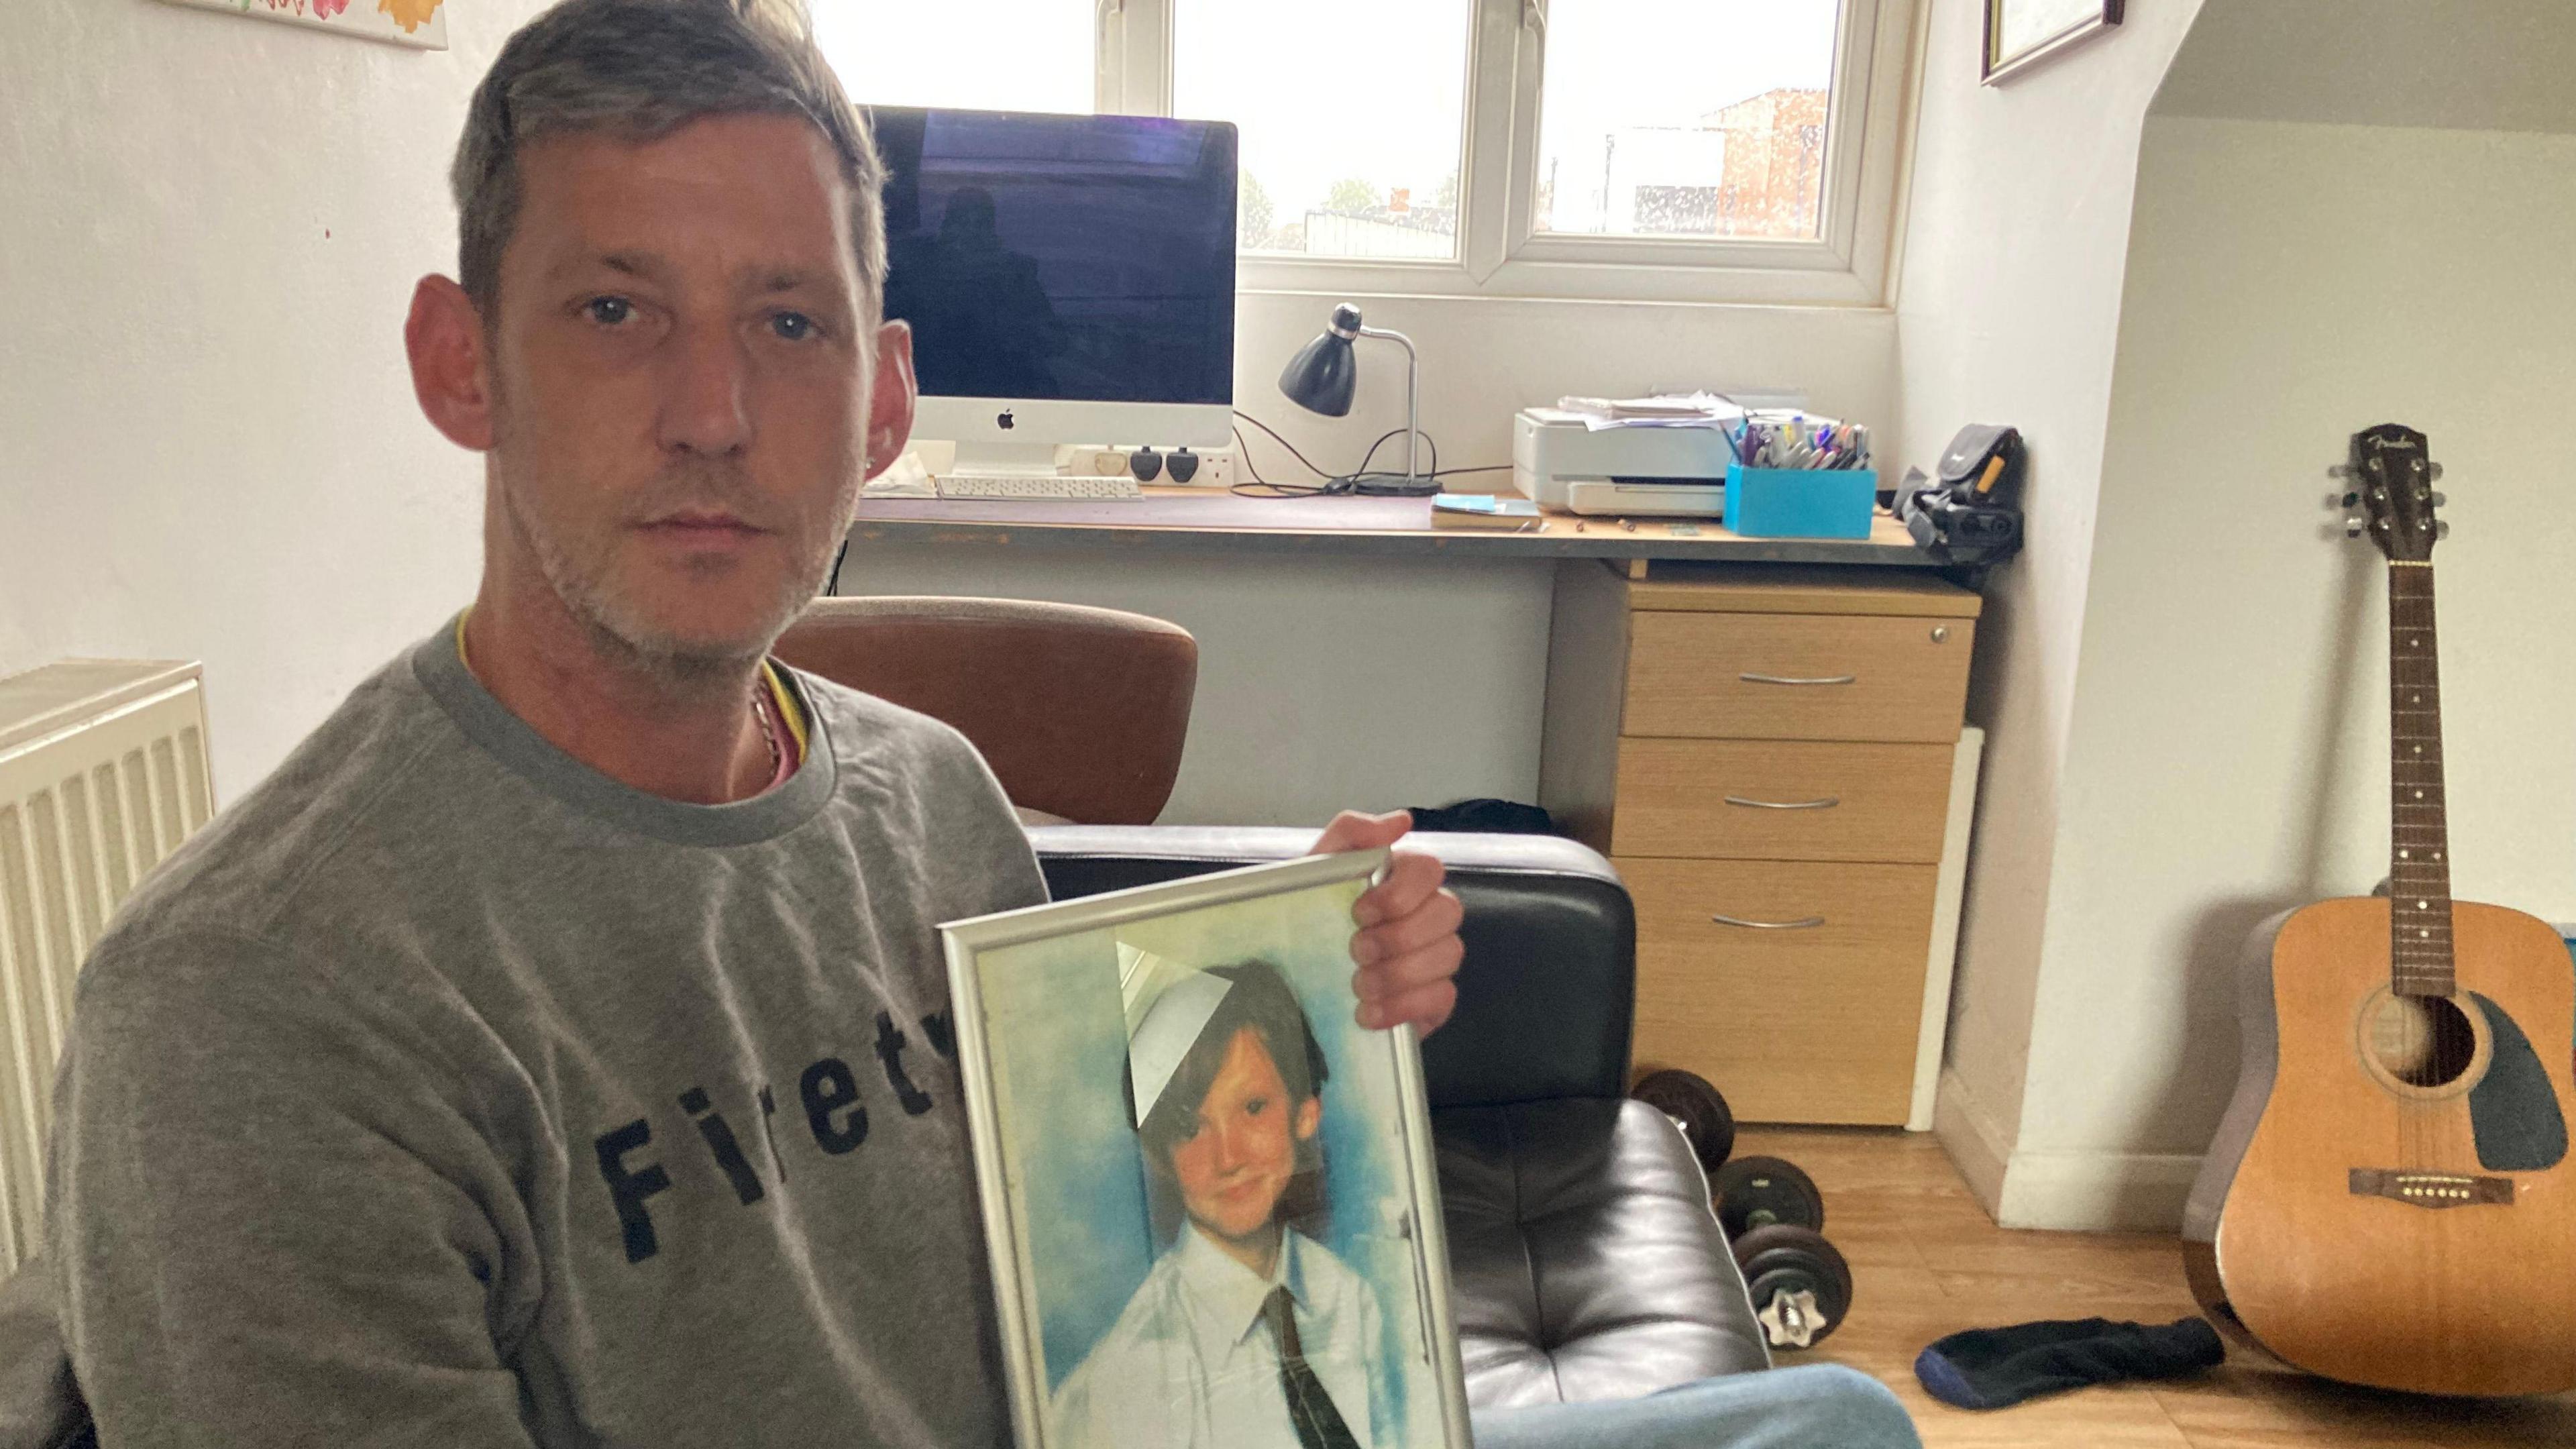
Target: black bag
[1968, 513]
[1508, 817]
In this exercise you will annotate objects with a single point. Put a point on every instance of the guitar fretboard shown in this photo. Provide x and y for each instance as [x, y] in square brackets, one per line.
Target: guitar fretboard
[2419, 869]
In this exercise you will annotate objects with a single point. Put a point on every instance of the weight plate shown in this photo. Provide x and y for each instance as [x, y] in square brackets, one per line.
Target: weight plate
[1701, 1111]
[1782, 1261]
[1755, 1192]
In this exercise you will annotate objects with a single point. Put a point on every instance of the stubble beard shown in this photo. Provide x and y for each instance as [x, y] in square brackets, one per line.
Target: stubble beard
[620, 628]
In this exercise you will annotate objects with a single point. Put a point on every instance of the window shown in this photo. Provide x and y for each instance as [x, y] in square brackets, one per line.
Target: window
[1713, 129]
[1727, 150]
[1334, 164]
[991, 55]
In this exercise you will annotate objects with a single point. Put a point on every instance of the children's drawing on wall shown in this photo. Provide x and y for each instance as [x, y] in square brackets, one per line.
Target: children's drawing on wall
[420, 23]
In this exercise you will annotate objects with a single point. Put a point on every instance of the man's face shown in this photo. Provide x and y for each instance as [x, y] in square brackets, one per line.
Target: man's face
[681, 372]
[1238, 1158]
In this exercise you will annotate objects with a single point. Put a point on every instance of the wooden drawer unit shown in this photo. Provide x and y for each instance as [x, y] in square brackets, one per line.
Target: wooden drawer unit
[1795, 987]
[1797, 676]
[1768, 755]
[1781, 799]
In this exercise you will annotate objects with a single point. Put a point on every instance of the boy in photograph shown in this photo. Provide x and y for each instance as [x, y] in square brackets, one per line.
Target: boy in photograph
[1247, 1332]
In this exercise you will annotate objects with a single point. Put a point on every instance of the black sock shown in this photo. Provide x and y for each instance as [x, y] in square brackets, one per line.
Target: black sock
[1989, 1368]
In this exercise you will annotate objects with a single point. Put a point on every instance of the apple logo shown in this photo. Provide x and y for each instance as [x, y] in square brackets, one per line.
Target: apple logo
[1005, 420]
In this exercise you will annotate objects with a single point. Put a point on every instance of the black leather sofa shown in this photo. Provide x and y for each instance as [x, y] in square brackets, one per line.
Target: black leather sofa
[1584, 1260]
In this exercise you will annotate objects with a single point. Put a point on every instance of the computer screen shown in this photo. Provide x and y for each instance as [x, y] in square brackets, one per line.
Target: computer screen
[1088, 259]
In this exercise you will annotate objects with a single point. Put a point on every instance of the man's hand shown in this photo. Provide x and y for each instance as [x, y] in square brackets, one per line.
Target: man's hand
[1407, 947]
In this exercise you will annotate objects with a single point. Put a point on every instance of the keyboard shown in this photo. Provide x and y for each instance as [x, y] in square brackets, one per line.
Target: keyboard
[1015, 486]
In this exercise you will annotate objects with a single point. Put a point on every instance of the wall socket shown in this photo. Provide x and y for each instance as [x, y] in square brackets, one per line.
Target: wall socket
[1216, 465]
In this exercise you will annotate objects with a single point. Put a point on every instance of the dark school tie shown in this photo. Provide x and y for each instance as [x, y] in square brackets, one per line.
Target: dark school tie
[1310, 1408]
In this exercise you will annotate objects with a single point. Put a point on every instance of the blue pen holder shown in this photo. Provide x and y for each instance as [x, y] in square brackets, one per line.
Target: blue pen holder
[1799, 502]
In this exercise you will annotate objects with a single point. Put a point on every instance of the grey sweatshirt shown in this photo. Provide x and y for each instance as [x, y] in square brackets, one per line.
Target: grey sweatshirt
[446, 1092]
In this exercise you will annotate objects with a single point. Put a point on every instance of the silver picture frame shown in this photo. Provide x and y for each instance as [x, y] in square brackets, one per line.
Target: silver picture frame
[2021, 34]
[981, 952]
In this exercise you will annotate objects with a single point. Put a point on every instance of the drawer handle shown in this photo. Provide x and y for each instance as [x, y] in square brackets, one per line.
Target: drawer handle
[1827, 803]
[1809, 923]
[1751, 678]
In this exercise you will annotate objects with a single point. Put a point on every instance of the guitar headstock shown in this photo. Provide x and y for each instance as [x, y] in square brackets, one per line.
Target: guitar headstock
[2391, 477]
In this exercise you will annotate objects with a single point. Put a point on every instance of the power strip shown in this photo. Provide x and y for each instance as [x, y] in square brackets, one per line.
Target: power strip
[1215, 470]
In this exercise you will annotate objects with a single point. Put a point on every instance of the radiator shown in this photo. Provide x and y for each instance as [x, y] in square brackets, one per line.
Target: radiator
[102, 773]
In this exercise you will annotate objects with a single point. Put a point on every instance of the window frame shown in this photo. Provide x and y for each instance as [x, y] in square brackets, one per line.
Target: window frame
[1501, 252]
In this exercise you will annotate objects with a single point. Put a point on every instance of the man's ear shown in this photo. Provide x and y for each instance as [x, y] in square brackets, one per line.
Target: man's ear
[1310, 1114]
[450, 370]
[891, 404]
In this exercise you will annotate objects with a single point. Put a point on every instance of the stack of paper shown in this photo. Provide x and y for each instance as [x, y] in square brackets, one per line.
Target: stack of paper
[1693, 410]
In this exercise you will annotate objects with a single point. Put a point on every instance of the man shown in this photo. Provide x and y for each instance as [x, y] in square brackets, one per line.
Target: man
[554, 1049]
[1246, 1333]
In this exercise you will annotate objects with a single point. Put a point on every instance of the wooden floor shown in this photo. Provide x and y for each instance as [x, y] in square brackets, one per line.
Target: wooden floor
[1928, 1261]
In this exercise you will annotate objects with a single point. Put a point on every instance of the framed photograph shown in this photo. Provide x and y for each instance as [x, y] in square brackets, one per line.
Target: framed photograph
[1209, 1196]
[2022, 33]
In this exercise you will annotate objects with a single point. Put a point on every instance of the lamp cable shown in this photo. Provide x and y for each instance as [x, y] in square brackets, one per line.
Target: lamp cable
[1334, 485]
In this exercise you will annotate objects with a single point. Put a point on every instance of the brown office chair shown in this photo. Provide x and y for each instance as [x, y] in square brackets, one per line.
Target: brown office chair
[1081, 712]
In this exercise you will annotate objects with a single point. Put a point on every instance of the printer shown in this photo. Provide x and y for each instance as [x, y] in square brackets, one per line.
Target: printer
[1560, 460]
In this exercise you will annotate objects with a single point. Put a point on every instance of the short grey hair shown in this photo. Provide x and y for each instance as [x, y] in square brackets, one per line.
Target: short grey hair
[641, 69]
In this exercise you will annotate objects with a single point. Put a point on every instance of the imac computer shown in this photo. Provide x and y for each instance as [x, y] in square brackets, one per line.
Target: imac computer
[1068, 279]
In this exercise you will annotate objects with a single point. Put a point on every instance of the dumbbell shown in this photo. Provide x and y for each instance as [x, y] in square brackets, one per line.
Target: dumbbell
[1799, 1284]
[1756, 1192]
[1695, 1107]
[1762, 1192]
[1771, 1212]
[1773, 1217]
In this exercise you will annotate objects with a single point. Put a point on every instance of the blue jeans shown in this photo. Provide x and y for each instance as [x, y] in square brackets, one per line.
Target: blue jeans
[1812, 1406]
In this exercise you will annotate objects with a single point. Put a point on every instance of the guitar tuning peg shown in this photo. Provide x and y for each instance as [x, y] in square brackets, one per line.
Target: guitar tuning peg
[2340, 470]
[2442, 529]
[2351, 500]
[2352, 528]
[2437, 472]
[2441, 500]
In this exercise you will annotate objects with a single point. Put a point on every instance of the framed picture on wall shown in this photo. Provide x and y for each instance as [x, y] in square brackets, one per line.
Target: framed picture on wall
[2023, 33]
[1208, 1195]
[421, 24]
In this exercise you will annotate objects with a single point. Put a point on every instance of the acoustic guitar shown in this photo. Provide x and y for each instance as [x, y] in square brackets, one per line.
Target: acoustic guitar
[2389, 1200]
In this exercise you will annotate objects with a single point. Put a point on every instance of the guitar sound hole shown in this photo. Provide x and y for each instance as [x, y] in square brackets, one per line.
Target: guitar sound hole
[2423, 1041]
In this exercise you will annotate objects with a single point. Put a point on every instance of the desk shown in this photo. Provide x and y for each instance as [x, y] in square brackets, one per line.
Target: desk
[1795, 853]
[1201, 519]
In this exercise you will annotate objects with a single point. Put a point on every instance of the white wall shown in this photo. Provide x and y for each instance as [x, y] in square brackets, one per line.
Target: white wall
[208, 447]
[2185, 672]
[2008, 304]
[2290, 284]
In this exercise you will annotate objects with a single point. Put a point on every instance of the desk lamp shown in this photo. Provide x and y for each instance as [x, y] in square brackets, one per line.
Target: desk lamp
[1322, 376]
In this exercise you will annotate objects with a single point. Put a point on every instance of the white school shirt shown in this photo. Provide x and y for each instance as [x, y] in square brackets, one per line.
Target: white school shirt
[1192, 1364]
